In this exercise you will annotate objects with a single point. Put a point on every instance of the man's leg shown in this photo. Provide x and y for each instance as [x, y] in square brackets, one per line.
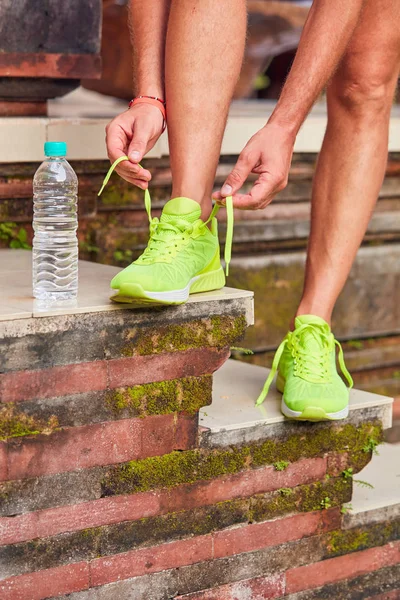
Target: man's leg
[205, 44]
[352, 161]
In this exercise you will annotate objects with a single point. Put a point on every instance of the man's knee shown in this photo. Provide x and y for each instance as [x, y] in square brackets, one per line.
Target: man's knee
[365, 91]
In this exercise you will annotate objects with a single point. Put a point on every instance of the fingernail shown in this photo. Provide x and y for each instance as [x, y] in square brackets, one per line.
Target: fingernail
[226, 190]
[135, 155]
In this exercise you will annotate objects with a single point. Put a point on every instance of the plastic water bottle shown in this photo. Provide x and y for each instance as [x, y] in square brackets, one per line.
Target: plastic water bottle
[55, 244]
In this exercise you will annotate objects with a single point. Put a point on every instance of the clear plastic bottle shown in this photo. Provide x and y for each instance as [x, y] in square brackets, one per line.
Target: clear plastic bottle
[55, 222]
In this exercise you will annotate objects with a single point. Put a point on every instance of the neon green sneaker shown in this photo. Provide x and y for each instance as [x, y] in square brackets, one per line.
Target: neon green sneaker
[182, 256]
[307, 376]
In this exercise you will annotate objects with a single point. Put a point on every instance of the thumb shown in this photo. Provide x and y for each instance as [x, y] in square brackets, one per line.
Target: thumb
[236, 178]
[138, 145]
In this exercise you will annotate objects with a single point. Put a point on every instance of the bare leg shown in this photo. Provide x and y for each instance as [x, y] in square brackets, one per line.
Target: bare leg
[352, 161]
[205, 44]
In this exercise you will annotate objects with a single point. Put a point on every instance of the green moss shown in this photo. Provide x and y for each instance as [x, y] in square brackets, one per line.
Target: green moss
[303, 498]
[360, 538]
[172, 469]
[17, 424]
[343, 542]
[281, 465]
[195, 465]
[217, 331]
[118, 194]
[188, 394]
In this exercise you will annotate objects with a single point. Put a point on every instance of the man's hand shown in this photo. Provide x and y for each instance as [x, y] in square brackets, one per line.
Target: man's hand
[134, 133]
[268, 154]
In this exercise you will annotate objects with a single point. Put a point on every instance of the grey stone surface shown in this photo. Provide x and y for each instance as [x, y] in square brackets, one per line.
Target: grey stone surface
[27, 495]
[364, 587]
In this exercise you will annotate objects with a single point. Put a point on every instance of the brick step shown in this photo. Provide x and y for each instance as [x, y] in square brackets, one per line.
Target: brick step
[291, 541]
[111, 489]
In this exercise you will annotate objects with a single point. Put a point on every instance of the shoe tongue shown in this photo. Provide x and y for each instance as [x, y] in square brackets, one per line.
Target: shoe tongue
[183, 208]
[311, 337]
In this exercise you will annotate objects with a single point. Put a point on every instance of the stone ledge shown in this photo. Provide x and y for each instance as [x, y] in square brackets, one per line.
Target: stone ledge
[16, 300]
[80, 119]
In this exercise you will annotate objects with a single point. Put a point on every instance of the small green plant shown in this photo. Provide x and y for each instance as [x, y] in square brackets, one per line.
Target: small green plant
[371, 446]
[239, 350]
[326, 503]
[348, 474]
[285, 491]
[86, 246]
[281, 465]
[16, 238]
[396, 375]
[346, 508]
[123, 256]
[358, 344]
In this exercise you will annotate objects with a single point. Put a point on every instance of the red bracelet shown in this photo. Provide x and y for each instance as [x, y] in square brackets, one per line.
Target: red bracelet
[158, 102]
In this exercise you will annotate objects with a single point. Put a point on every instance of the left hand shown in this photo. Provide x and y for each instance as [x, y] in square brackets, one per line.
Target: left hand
[268, 154]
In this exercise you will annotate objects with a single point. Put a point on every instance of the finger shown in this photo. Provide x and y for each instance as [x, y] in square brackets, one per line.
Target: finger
[260, 195]
[137, 182]
[116, 141]
[130, 170]
[140, 139]
[237, 176]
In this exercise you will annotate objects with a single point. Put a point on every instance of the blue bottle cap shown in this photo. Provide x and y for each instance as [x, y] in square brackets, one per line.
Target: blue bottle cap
[55, 149]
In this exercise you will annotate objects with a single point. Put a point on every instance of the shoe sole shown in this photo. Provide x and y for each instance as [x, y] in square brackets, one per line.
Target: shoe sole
[205, 282]
[309, 413]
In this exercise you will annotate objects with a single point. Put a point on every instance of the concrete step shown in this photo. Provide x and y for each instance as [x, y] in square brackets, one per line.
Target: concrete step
[233, 417]
[382, 501]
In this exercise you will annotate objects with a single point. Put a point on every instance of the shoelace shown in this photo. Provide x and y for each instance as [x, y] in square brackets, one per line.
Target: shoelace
[311, 366]
[156, 227]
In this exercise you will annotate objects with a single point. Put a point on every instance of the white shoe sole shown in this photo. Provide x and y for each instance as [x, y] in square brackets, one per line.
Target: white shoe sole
[313, 413]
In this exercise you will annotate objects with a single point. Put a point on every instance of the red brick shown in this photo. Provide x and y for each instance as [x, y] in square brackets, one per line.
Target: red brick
[3, 461]
[147, 369]
[246, 483]
[74, 448]
[158, 435]
[331, 519]
[396, 409]
[54, 382]
[342, 567]
[186, 431]
[261, 535]
[53, 521]
[336, 463]
[43, 584]
[150, 560]
[261, 588]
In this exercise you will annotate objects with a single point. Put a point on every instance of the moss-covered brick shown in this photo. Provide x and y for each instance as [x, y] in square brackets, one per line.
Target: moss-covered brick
[188, 394]
[121, 537]
[303, 498]
[216, 331]
[177, 468]
[17, 424]
[359, 538]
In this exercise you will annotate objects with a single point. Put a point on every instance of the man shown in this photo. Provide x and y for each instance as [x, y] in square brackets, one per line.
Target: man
[190, 52]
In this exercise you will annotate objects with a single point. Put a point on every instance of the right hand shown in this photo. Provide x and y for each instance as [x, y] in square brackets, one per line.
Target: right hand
[134, 133]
